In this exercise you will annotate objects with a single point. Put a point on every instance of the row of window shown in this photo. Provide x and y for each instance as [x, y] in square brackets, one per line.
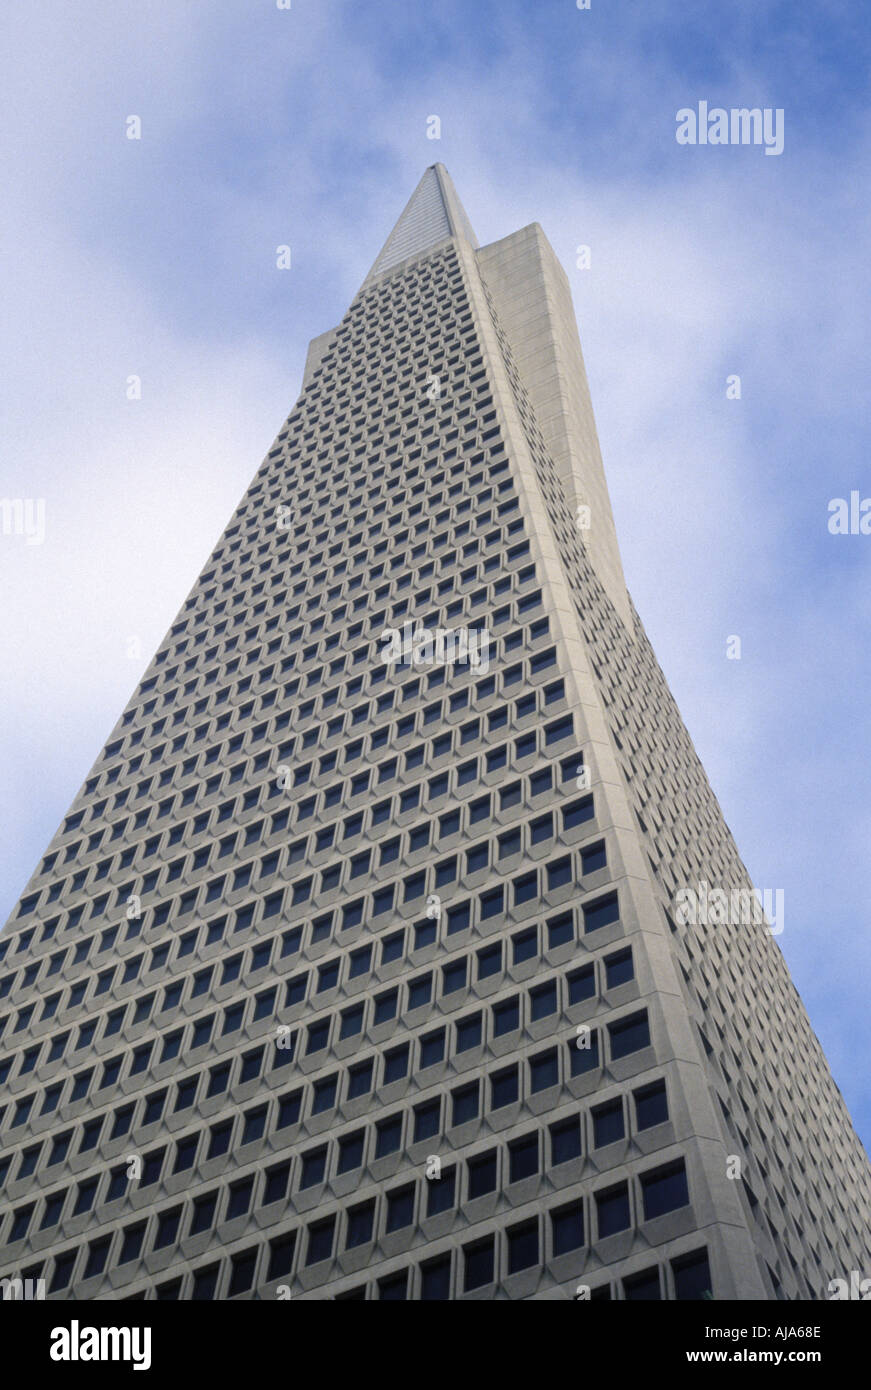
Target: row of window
[528, 1243]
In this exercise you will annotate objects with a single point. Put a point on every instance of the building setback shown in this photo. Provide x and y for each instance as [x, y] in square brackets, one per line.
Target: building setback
[354, 970]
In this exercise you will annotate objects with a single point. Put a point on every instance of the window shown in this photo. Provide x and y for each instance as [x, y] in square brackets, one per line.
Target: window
[360, 1080]
[394, 1287]
[543, 1070]
[593, 858]
[601, 913]
[388, 1136]
[239, 1198]
[506, 1017]
[360, 1224]
[490, 961]
[313, 1167]
[525, 945]
[281, 1255]
[582, 984]
[584, 1053]
[426, 1120]
[275, 1186]
[543, 1001]
[692, 1276]
[203, 1213]
[664, 1190]
[465, 1104]
[523, 1158]
[612, 1210]
[567, 1228]
[642, 1287]
[435, 1279]
[167, 1228]
[608, 1124]
[651, 1105]
[629, 1035]
[400, 1208]
[396, 1064]
[131, 1243]
[351, 1151]
[469, 1033]
[619, 968]
[320, 1241]
[453, 976]
[479, 1264]
[504, 1088]
[440, 1192]
[432, 1048]
[565, 1141]
[522, 1246]
[482, 1175]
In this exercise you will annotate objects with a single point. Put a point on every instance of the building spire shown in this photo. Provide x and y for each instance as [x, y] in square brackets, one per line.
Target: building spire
[432, 214]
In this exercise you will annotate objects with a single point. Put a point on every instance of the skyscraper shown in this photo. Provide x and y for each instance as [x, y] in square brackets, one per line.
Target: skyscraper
[396, 946]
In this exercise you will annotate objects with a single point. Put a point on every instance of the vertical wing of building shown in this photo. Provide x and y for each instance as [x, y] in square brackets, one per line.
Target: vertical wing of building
[353, 977]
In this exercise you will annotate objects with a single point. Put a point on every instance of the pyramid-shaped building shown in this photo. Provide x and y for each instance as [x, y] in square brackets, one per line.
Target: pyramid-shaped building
[360, 967]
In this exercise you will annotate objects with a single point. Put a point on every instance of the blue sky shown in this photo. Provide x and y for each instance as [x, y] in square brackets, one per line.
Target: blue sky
[308, 127]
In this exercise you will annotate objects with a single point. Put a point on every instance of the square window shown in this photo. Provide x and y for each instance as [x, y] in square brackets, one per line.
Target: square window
[432, 1048]
[601, 913]
[593, 858]
[629, 1035]
[469, 1033]
[506, 1017]
[608, 1124]
[692, 1276]
[664, 1190]
[525, 945]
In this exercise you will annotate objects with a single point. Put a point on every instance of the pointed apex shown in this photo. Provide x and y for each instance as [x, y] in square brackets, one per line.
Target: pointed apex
[432, 214]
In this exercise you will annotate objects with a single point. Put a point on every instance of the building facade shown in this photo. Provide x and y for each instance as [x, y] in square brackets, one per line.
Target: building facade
[360, 966]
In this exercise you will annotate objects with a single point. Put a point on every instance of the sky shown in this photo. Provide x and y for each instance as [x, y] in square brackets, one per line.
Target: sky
[308, 127]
